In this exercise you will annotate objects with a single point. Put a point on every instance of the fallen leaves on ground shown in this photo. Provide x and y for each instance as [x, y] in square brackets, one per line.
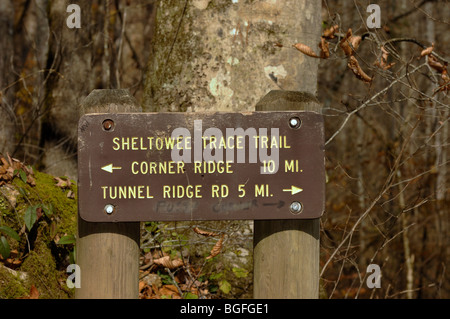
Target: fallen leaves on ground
[62, 183]
[11, 167]
[34, 293]
[183, 286]
[167, 262]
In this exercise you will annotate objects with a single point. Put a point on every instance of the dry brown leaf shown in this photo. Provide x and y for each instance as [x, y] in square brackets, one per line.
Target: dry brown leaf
[9, 166]
[62, 183]
[355, 42]
[34, 293]
[217, 248]
[5, 163]
[39, 213]
[324, 48]
[427, 51]
[446, 85]
[31, 180]
[329, 33]
[384, 53]
[141, 285]
[168, 263]
[445, 76]
[170, 290]
[383, 62]
[435, 64]
[204, 232]
[303, 48]
[344, 43]
[356, 69]
[148, 258]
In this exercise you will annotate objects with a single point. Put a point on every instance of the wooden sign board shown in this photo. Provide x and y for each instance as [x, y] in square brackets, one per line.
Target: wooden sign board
[201, 166]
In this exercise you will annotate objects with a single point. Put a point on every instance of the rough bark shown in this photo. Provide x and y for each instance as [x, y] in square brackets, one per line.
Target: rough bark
[220, 55]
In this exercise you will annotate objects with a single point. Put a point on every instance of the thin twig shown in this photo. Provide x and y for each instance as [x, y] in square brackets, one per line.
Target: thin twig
[359, 108]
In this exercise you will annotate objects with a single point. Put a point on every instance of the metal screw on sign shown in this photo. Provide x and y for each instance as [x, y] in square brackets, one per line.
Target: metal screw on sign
[109, 209]
[296, 208]
[295, 122]
[108, 125]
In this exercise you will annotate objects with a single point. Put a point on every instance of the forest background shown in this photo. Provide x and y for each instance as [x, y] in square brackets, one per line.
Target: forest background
[386, 121]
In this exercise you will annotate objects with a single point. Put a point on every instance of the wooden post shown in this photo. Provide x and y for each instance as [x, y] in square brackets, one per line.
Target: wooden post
[286, 252]
[108, 253]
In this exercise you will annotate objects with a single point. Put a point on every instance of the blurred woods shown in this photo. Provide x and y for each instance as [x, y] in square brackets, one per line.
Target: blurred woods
[47, 69]
[387, 155]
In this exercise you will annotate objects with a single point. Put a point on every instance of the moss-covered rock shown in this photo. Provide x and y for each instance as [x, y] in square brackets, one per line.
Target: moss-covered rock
[38, 256]
[42, 270]
[12, 285]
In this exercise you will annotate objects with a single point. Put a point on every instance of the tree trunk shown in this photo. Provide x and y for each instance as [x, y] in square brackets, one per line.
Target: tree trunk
[221, 56]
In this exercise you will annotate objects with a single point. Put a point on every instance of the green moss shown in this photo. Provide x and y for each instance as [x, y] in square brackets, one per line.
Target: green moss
[11, 285]
[46, 192]
[41, 269]
[44, 261]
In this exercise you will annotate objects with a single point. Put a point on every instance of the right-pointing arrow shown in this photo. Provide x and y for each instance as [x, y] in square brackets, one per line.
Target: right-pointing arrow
[293, 190]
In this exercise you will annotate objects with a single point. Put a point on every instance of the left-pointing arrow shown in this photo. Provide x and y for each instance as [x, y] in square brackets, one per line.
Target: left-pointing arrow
[109, 168]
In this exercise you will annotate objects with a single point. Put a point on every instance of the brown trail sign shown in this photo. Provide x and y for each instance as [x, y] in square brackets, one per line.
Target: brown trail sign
[201, 166]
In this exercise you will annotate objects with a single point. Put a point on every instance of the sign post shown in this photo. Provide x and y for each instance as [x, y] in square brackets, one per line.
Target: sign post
[286, 252]
[108, 253]
[266, 165]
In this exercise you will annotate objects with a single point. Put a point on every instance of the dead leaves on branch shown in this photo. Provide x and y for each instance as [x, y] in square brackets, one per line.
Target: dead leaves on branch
[427, 51]
[436, 65]
[357, 71]
[439, 67]
[217, 248]
[204, 232]
[303, 48]
[324, 48]
[330, 32]
[349, 44]
[382, 63]
[344, 44]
